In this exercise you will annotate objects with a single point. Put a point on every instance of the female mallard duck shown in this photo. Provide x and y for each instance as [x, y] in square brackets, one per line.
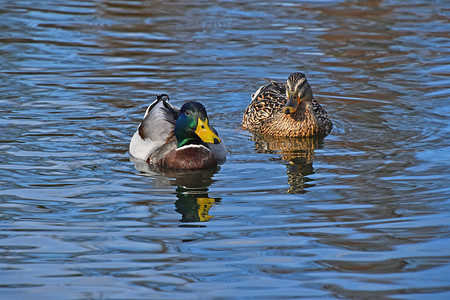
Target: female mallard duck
[286, 110]
[173, 138]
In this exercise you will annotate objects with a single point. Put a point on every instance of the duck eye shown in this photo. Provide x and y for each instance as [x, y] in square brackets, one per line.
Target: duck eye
[187, 113]
[203, 126]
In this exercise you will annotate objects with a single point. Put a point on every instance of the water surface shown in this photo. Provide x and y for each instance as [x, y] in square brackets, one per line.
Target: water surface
[361, 213]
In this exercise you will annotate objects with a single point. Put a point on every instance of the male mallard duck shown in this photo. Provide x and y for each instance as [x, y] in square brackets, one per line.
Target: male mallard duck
[286, 110]
[173, 138]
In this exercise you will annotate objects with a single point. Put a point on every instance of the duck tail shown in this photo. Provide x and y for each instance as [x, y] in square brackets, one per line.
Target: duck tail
[159, 98]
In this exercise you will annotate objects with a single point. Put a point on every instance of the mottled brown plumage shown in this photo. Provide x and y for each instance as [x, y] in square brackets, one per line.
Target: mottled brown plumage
[286, 110]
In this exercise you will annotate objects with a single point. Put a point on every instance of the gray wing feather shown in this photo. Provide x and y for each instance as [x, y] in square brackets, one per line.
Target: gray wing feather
[159, 120]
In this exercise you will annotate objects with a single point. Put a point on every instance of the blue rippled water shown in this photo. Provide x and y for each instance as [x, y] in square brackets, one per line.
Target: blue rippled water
[362, 214]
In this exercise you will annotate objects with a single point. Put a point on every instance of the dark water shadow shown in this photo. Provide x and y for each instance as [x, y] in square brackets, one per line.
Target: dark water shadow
[193, 202]
[298, 153]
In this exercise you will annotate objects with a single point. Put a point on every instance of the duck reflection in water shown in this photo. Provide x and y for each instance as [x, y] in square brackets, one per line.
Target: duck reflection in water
[193, 201]
[194, 204]
[297, 152]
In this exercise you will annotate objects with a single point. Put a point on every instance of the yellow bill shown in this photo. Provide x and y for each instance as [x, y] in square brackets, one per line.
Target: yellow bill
[205, 133]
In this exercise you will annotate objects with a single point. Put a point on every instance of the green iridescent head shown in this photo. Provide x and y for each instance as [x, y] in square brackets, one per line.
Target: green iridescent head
[192, 126]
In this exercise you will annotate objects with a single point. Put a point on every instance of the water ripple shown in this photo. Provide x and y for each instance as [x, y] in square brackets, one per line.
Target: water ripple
[361, 213]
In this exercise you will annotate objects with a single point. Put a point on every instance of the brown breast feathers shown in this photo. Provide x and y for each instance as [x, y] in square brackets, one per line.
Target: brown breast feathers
[189, 157]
